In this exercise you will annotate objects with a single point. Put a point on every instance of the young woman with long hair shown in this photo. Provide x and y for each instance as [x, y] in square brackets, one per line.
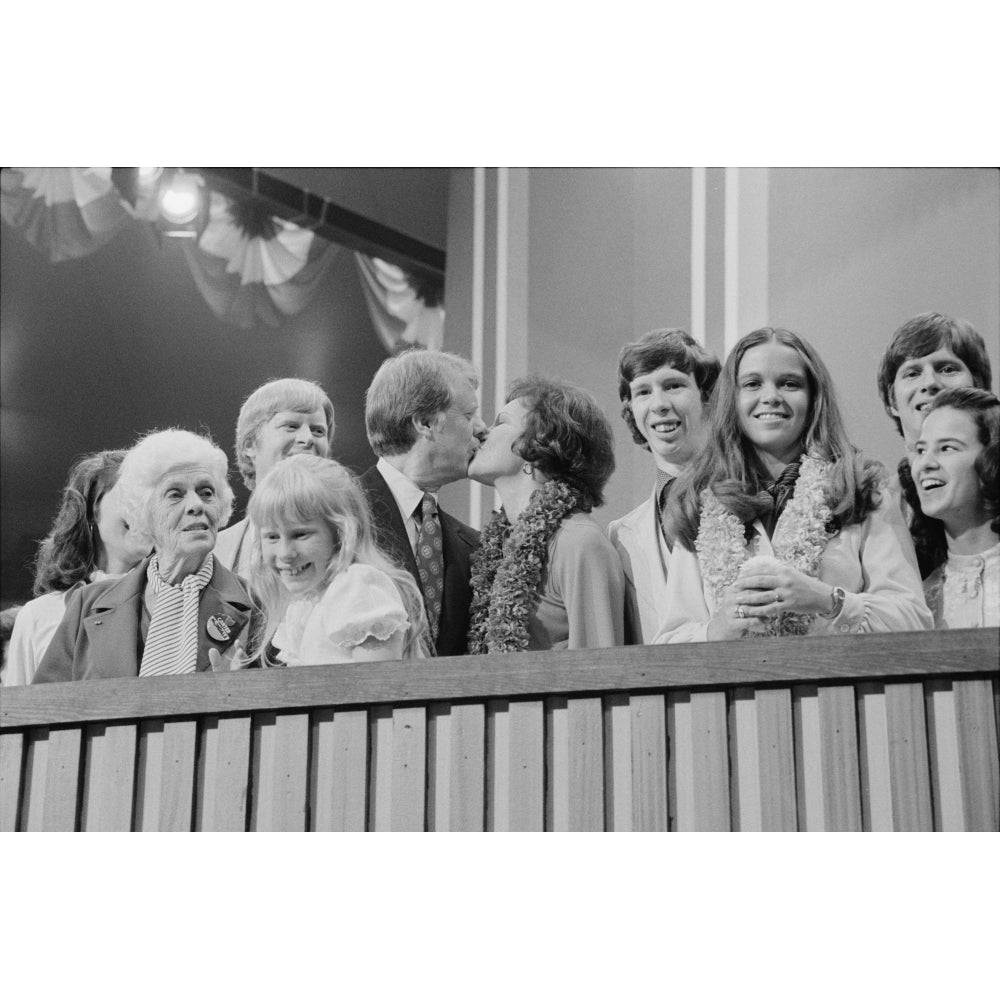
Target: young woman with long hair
[780, 526]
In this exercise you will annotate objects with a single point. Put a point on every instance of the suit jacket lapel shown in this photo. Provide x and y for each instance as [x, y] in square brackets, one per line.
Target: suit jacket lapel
[220, 598]
[114, 616]
[389, 522]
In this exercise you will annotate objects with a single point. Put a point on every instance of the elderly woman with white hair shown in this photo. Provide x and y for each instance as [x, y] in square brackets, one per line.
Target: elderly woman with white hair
[178, 611]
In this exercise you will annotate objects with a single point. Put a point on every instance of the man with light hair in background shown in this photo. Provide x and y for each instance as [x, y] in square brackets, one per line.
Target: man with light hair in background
[423, 423]
[286, 416]
[664, 381]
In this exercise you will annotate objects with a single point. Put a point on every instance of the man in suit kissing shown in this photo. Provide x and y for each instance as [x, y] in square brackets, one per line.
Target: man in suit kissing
[423, 423]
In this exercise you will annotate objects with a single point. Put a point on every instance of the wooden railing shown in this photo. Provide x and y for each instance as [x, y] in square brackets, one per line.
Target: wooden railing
[877, 732]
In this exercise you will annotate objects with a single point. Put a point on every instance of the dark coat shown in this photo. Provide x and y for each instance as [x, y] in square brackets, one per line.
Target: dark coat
[99, 635]
[458, 541]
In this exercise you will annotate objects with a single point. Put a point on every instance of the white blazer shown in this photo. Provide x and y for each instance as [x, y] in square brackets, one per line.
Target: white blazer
[873, 561]
[644, 554]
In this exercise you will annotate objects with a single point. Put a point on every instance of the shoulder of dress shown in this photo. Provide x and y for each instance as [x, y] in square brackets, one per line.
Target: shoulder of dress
[581, 531]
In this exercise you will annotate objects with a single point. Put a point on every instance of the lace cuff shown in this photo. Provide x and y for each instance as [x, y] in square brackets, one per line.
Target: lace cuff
[382, 628]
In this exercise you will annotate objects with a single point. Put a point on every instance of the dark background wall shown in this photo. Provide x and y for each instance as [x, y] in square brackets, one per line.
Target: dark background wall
[98, 350]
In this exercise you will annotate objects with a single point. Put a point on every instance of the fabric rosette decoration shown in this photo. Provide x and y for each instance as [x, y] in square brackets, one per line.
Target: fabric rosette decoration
[252, 266]
[402, 312]
[63, 212]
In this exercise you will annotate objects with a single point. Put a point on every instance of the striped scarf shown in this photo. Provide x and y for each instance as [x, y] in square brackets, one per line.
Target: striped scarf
[172, 641]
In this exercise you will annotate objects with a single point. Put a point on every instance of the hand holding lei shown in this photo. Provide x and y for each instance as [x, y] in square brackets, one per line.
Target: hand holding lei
[507, 569]
[800, 537]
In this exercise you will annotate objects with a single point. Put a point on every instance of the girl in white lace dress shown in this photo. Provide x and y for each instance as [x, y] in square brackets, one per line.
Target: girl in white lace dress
[955, 470]
[329, 593]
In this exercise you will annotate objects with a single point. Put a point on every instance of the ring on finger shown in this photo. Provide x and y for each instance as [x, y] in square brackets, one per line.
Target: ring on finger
[740, 613]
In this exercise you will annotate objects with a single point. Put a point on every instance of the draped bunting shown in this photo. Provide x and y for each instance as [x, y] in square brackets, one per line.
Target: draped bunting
[250, 267]
[248, 279]
[63, 212]
[399, 315]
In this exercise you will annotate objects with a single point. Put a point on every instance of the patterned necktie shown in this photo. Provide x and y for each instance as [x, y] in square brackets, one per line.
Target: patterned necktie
[172, 641]
[430, 563]
[664, 481]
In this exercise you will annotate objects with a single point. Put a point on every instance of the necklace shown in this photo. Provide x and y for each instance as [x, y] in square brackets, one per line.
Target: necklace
[507, 569]
[800, 537]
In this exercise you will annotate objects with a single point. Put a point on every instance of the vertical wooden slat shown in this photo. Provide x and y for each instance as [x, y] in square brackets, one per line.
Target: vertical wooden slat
[699, 760]
[517, 765]
[281, 771]
[744, 761]
[527, 765]
[586, 764]
[827, 771]
[409, 768]
[977, 748]
[648, 724]
[456, 764]
[53, 781]
[895, 768]
[339, 770]
[399, 765]
[575, 777]
[762, 756]
[962, 724]
[223, 774]
[996, 710]
[380, 791]
[497, 765]
[166, 775]
[556, 764]
[11, 779]
[618, 762]
[109, 777]
[438, 766]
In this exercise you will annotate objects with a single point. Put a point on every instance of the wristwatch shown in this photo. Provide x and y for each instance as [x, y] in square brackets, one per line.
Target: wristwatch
[837, 596]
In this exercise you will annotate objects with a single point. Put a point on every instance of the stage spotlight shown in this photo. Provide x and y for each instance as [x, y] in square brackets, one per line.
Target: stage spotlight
[148, 176]
[182, 204]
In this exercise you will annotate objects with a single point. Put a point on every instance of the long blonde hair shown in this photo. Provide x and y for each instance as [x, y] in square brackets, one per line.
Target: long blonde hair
[306, 488]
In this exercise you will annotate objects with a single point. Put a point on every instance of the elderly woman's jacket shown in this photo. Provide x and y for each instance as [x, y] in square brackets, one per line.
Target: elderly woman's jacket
[99, 635]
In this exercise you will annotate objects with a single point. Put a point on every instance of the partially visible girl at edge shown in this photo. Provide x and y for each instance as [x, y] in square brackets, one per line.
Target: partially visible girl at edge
[329, 593]
[781, 527]
[955, 496]
[89, 541]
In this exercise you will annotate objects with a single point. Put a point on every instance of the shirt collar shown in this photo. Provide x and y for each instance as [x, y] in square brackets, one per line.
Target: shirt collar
[405, 492]
[662, 478]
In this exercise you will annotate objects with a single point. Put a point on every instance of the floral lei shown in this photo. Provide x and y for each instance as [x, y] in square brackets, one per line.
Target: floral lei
[800, 537]
[507, 569]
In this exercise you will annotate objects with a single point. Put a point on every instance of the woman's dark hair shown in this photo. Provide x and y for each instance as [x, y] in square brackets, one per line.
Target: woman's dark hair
[69, 552]
[566, 436]
[928, 532]
[728, 464]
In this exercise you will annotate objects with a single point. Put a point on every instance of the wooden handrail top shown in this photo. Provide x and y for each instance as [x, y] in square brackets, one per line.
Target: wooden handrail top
[808, 660]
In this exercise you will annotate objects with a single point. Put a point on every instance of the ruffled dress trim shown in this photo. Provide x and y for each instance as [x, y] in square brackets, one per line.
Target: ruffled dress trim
[359, 604]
